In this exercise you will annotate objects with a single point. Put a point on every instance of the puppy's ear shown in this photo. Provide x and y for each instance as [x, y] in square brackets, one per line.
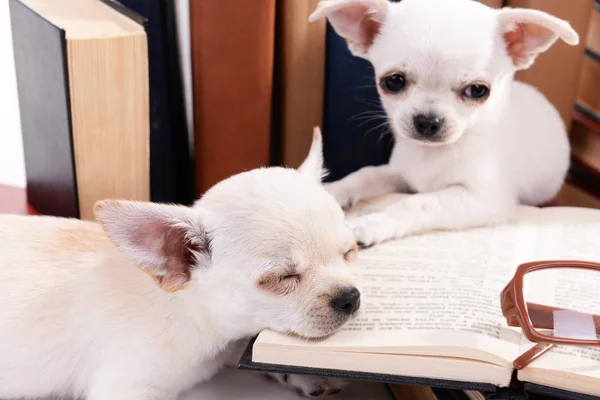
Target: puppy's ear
[357, 21]
[528, 33]
[312, 166]
[165, 241]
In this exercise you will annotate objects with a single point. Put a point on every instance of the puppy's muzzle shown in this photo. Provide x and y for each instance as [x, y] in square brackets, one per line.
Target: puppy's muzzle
[427, 126]
[347, 301]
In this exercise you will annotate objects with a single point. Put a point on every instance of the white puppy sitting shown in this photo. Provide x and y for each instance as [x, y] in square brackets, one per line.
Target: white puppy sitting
[469, 141]
[148, 302]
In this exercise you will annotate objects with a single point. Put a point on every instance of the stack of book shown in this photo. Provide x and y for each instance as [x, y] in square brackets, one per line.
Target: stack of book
[159, 100]
[99, 104]
[583, 185]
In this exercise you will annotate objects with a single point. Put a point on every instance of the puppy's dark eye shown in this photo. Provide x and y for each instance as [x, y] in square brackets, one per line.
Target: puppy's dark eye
[393, 83]
[476, 92]
[290, 276]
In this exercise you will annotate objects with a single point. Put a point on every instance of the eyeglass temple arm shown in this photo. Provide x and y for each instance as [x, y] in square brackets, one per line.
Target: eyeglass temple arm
[542, 317]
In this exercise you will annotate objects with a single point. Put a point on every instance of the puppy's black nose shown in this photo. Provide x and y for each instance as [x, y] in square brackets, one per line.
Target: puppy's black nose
[347, 301]
[427, 126]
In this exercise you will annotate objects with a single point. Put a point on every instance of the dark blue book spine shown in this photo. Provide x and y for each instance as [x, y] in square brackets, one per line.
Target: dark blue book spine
[40, 51]
[355, 132]
[170, 162]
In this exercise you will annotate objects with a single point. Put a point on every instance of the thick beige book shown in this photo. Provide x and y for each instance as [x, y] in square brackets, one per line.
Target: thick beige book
[107, 75]
[431, 307]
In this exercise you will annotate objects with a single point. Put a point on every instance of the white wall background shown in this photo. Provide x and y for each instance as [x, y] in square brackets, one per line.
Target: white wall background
[12, 168]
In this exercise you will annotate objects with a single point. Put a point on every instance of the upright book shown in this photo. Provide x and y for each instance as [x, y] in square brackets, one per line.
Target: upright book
[588, 92]
[583, 180]
[355, 130]
[593, 38]
[299, 78]
[432, 313]
[232, 60]
[170, 153]
[82, 77]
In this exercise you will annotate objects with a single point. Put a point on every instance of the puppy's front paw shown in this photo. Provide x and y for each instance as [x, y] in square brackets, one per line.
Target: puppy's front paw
[310, 386]
[374, 228]
[341, 193]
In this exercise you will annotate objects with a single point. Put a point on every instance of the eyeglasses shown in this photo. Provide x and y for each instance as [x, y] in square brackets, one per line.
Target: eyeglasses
[554, 303]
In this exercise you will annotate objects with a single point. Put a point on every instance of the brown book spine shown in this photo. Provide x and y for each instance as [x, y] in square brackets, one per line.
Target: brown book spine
[232, 63]
[582, 188]
[556, 72]
[585, 146]
[593, 37]
[300, 76]
[588, 92]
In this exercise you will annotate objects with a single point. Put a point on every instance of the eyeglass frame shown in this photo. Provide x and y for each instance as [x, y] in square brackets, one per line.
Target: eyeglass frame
[517, 312]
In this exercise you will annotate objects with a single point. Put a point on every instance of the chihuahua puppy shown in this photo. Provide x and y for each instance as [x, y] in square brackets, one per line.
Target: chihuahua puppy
[470, 142]
[149, 301]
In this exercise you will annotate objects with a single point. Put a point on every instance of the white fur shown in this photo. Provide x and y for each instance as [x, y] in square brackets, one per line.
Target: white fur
[106, 311]
[511, 149]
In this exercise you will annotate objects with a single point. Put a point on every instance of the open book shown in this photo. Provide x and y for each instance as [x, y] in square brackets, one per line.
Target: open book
[432, 307]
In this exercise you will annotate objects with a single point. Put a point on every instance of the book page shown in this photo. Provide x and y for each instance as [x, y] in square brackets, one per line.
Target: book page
[437, 294]
[569, 234]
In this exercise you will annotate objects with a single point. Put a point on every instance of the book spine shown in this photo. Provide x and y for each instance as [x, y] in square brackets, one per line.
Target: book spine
[355, 130]
[582, 187]
[170, 165]
[593, 38]
[40, 53]
[588, 91]
[182, 154]
[300, 74]
[232, 53]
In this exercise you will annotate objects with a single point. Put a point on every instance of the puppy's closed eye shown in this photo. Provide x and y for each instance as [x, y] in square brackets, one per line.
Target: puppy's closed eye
[279, 284]
[351, 254]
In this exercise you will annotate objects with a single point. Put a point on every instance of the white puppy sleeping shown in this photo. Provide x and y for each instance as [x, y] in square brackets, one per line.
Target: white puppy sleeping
[469, 141]
[153, 299]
